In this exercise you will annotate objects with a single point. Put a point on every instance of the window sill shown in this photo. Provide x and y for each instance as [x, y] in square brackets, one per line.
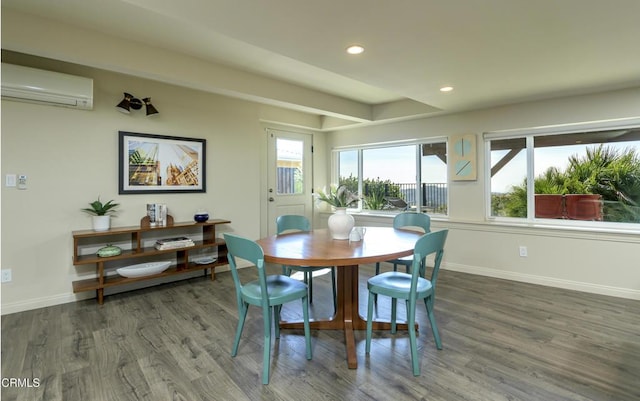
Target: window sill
[576, 230]
[549, 229]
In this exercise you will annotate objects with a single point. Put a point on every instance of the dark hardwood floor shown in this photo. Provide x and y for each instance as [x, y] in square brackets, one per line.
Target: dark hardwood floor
[502, 341]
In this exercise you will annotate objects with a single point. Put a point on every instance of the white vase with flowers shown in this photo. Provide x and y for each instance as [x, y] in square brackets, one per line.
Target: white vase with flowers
[340, 222]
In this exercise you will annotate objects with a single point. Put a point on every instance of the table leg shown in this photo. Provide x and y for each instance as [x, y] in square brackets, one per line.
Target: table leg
[348, 282]
[347, 317]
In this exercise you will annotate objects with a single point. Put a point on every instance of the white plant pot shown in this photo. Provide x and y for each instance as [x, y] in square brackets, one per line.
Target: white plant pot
[340, 224]
[101, 223]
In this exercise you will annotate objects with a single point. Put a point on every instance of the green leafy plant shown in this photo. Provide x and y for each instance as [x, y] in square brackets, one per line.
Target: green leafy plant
[376, 192]
[338, 197]
[101, 209]
[614, 174]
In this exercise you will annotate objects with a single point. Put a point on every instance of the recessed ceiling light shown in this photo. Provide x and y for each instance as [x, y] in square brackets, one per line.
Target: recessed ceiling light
[355, 49]
[446, 89]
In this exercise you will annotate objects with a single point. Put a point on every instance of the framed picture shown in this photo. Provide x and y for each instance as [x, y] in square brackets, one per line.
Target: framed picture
[161, 164]
[462, 158]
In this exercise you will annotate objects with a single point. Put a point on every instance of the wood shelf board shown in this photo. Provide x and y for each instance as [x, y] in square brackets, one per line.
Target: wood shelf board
[114, 280]
[148, 251]
[133, 229]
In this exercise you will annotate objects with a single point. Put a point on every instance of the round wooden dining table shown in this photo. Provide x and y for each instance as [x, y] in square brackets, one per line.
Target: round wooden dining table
[317, 248]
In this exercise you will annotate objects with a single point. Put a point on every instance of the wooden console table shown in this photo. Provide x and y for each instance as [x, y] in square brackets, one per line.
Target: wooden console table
[136, 235]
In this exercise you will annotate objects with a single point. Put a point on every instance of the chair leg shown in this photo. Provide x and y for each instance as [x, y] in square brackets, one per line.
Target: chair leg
[375, 296]
[394, 310]
[266, 354]
[242, 314]
[276, 319]
[369, 321]
[333, 287]
[307, 328]
[411, 319]
[432, 319]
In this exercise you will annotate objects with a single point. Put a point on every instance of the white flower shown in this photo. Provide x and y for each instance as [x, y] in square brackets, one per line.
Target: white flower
[340, 197]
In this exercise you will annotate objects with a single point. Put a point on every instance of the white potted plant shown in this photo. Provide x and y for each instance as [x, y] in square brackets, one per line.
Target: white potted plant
[101, 214]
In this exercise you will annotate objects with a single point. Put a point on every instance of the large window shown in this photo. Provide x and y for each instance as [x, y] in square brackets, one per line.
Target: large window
[397, 177]
[592, 175]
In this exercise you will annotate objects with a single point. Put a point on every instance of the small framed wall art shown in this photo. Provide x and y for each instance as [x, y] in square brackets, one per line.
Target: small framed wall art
[462, 158]
[161, 164]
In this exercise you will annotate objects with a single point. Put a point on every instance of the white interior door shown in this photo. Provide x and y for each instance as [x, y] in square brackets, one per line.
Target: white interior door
[289, 176]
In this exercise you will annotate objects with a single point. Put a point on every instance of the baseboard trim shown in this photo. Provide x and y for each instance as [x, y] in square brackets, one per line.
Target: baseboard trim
[36, 303]
[546, 281]
[21, 306]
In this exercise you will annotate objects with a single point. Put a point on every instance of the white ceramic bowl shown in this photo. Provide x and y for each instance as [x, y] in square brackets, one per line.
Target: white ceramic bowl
[144, 269]
[205, 260]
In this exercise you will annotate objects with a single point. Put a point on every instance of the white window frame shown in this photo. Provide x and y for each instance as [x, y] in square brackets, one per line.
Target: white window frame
[361, 148]
[529, 134]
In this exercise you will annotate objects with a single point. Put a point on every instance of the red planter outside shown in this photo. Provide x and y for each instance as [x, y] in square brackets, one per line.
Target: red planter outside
[549, 206]
[572, 206]
[583, 207]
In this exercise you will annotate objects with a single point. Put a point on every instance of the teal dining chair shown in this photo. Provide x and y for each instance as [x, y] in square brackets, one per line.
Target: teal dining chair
[410, 287]
[269, 292]
[405, 220]
[294, 222]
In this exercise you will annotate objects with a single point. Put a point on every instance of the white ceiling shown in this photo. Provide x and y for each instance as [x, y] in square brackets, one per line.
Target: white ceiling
[493, 52]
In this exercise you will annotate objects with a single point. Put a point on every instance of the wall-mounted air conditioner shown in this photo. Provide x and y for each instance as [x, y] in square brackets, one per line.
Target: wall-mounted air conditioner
[32, 85]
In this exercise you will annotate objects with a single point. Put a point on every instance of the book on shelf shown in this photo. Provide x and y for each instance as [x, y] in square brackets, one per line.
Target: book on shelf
[172, 240]
[173, 246]
[173, 243]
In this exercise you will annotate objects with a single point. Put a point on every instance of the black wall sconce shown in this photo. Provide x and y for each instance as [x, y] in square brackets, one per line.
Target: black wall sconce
[129, 102]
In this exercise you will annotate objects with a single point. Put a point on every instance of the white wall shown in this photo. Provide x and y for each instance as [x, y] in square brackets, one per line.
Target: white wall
[601, 262]
[71, 157]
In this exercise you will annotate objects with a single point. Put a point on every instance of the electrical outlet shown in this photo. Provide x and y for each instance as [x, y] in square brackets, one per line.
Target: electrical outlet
[6, 275]
[523, 251]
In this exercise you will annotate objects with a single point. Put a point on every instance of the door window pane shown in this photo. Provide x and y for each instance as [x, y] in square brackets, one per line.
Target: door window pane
[289, 155]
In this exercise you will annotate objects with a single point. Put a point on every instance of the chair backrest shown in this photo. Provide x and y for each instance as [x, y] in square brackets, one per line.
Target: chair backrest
[430, 243]
[243, 248]
[292, 222]
[412, 219]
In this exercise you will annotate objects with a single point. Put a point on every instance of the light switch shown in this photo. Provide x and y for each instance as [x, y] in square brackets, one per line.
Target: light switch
[10, 180]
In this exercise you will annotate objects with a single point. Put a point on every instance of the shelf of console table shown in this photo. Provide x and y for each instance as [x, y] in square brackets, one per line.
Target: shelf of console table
[136, 235]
